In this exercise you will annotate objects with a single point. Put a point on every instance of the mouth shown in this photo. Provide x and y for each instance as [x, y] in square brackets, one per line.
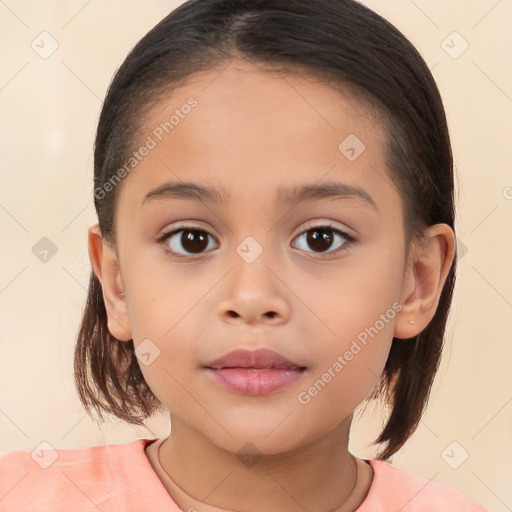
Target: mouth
[256, 373]
[261, 359]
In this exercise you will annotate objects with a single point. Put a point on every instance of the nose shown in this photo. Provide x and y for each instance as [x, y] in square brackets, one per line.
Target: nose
[253, 294]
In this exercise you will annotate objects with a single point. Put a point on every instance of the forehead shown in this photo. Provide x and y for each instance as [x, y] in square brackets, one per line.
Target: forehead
[263, 96]
[259, 128]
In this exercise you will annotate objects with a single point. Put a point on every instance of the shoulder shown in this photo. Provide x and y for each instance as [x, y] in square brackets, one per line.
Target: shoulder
[65, 479]
[395, 489]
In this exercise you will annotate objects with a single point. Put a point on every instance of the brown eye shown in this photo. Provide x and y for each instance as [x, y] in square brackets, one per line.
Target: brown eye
[185, 242]
[323, 238]
[194, 241]
[320, 239]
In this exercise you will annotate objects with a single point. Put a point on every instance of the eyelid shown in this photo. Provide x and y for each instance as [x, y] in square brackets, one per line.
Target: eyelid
[349, 240]
[182, 226]
[328, 225]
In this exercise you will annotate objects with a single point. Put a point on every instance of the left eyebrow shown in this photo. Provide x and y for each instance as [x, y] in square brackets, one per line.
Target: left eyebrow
[294, 195]
[325, 190]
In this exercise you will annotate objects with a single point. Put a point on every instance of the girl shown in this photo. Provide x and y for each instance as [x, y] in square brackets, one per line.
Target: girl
[274, 189]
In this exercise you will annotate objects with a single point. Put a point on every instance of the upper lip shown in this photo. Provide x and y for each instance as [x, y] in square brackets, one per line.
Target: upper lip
[260, 358]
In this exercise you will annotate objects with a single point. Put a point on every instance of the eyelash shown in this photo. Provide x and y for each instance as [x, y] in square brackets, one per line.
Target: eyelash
[164, 237]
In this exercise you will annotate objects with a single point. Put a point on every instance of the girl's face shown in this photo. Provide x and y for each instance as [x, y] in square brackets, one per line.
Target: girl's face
[259, 273]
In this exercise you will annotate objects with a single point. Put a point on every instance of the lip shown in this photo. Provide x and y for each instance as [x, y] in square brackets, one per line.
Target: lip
[254, 372]
[257, 359]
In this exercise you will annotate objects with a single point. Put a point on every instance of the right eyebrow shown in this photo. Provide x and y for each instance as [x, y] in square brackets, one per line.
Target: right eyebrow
[188, 190]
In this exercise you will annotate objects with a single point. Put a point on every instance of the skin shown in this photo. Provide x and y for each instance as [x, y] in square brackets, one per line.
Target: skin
[251, 132]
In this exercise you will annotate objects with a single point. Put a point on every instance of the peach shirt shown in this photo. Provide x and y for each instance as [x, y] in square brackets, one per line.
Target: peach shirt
[119, 477]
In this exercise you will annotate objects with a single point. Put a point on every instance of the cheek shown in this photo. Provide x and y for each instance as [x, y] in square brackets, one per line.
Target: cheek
[163, 298]
[357, 307]
[172, 361]
[348, 369]
[344, 301]
[161, 308]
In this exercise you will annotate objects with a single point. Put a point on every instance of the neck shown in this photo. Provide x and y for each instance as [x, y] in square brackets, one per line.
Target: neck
[321, 475]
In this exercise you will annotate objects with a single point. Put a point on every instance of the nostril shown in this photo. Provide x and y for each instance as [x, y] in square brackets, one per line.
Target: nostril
[234, 314]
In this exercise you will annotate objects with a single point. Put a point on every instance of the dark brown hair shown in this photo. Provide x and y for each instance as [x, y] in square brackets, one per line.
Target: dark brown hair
[353, 48]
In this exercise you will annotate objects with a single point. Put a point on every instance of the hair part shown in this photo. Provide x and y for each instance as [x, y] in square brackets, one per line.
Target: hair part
[353, 49]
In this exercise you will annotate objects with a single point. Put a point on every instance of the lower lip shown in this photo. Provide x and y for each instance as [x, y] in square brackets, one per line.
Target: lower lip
[255, 382]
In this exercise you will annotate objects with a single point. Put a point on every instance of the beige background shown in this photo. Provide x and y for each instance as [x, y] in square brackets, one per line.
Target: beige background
[49, 110]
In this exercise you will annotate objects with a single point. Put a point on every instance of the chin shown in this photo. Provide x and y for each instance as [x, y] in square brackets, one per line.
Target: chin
[258, 440]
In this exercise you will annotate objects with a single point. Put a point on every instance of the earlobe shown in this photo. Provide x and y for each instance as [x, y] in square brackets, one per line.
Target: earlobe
[106, 268]
[427, 269]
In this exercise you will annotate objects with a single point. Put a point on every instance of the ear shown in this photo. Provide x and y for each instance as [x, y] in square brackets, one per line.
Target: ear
[428, 266]
[106, 267]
